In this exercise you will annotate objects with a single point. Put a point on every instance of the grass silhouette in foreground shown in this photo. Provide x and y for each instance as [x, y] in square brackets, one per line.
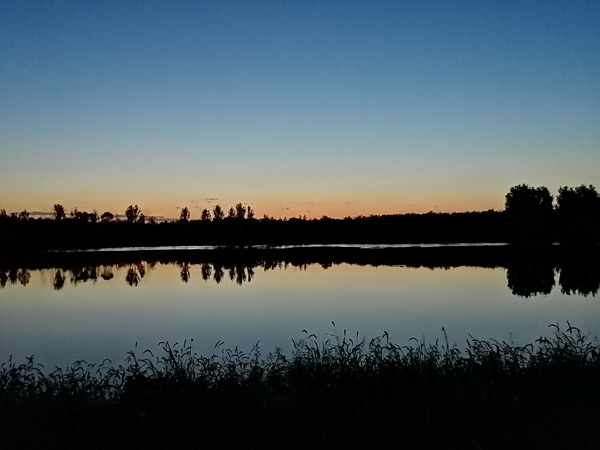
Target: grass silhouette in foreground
[339, 392]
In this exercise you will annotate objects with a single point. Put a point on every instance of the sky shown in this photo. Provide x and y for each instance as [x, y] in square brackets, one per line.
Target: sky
[314, 108]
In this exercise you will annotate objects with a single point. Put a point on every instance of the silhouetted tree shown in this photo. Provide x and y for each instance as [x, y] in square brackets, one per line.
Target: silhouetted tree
[132, 213]
[107, 216]
[184, 216]
[231, 213]
[24, 215]
[141, 218]
[582, 199]
[250, 214]
[152, 220]
[84, 216]
[525, 199]
[59, 212]
[218, 212]
[240, 211]
[205, 215]
[3, 215]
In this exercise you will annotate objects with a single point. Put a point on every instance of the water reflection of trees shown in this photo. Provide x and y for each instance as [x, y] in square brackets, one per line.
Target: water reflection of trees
[59, 280]
[526, 281]
[239, 274]
[574, 279]
[206, 270]
[107, 273]
[135, 273]
[218, 273]
[523, 280]
[185, 272]
[77, 275]
[582, 280]
[85, 274]
[14, 276]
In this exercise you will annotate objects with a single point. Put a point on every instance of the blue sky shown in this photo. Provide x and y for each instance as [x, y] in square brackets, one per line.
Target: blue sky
[338, 108]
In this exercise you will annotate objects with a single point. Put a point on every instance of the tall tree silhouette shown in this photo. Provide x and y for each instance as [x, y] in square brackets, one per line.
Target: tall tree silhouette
[231, 213]
[250, 213]
[184, 216]
[59, 212]
[582, 199]
[132, 213]
[525, 199]
[205, 215]
[218, 212]
[240, 211]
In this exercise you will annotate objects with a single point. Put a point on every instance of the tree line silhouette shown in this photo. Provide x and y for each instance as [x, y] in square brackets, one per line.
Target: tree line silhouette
[523, 280]
[531, 214]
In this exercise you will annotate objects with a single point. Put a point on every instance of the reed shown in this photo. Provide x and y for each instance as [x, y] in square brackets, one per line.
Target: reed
[339, 390]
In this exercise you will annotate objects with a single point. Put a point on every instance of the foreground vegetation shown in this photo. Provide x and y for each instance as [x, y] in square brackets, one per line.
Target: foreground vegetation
[341, 392]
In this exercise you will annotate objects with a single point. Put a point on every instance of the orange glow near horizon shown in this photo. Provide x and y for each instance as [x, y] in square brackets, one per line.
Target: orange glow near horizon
[165, 208]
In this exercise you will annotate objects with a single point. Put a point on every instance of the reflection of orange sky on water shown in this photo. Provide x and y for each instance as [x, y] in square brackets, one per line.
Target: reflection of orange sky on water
[93, 320]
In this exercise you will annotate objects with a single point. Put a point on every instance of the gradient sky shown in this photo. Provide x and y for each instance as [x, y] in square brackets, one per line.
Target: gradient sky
[296, 107]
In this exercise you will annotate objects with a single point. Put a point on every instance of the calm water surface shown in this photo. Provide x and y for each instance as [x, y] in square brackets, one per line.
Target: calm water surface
[101, 312]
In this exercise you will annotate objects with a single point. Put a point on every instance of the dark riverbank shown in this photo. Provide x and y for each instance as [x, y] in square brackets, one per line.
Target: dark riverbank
[472, 227]
[417, 256]
[340, 393]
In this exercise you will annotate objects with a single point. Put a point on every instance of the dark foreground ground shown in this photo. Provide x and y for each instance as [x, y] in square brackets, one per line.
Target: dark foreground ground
[344, 393]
